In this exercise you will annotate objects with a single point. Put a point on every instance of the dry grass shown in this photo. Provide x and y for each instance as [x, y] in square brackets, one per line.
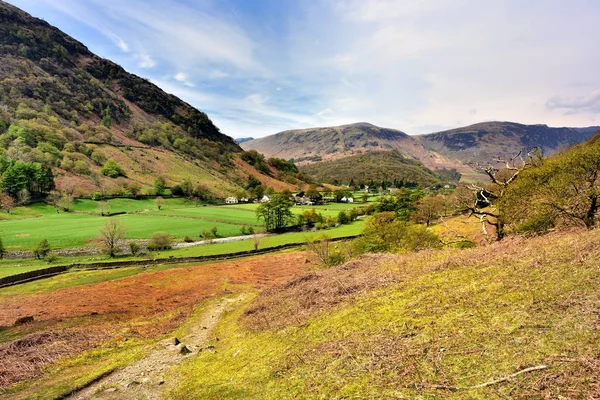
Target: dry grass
[26, 357]
[294, 302]
[437, 324]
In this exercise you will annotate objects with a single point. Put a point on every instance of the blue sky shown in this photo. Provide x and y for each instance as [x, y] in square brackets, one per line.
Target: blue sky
[257, 67]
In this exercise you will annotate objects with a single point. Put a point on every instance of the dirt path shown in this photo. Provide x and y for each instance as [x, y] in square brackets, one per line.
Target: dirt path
[145, 379]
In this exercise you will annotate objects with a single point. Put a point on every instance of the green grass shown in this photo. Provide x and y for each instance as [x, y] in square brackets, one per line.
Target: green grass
[25, 227]
[66, 230]
[452, 318]
[78, 278]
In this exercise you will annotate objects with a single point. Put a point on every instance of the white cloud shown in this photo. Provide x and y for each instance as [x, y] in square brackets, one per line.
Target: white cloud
[144, 60]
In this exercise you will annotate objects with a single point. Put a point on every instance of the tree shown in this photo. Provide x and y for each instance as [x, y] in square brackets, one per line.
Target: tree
[276, 213]
[483, 200]
[563, 188]
[23, 197]
[112, 169]
[65, 202]
[430, 208]
[160, 241]
[187, 187]
[7, 203]
[135, 189]
[2, 249]
[256, 240]
[313, 194]
[111, 236]
[159, 185]
[106, 119]
[159, 202]
[103, 208]
[42, 249]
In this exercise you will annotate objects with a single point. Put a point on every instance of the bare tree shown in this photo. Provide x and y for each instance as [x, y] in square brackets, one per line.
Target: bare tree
[7, 203]
[103, 208]
[111, 235]
[159, 202]
[256, 240]
[320, 248]
[482, 200]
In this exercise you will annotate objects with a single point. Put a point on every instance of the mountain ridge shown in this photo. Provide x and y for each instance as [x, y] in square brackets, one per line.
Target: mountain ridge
[70, 111]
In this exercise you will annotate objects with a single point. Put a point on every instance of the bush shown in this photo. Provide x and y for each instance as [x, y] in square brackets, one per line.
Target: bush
[51, 258]
[160, 241]
[385, 233]
[42, 249]
[188, 239]
[112, 169]
[134, 247]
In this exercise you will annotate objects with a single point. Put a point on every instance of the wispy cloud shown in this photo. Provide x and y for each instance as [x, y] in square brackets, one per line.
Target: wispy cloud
[416, 66]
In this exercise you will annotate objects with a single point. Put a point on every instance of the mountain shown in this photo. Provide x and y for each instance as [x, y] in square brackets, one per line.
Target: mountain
[312, 145]
[481, 143]
[67, 111]
[378, 166]
[243, 140]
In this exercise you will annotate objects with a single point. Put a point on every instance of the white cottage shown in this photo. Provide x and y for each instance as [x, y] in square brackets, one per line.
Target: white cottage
[265, 199]
[231, 200]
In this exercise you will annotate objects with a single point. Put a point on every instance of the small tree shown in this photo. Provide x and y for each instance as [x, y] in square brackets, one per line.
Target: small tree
[112, 169]
[42, 249]
[2, 249]
[256, 240]
[213, 231]
[159, 202]
[276, 214]
[135, 189]
[7, 203]
[430, 209]
[23, 197]
[106, 119]
[65, 202]
[159, 185]
[104, 208]
[111, 235]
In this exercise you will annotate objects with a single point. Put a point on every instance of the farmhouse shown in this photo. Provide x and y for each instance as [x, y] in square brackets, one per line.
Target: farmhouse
[347, 200]
[265, 199]
[231, 200]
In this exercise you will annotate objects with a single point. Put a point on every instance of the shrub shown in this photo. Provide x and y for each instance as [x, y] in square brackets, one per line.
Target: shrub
[188, 239]
[160, 241]
[134, 247]
[42, 249]
[112, 169]
[51, 258]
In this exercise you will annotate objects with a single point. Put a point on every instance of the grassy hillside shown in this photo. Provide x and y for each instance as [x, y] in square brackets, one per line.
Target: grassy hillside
[388, 166]
[442, 324]
[482, 143]
[69, 111]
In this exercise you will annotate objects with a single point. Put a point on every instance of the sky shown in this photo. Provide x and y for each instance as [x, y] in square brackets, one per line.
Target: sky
[257, 67]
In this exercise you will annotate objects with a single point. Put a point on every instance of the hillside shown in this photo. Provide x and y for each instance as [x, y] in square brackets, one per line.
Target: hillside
[69, 111]
[481, 143]
[379, 166]
[511, 320]
[306, 146]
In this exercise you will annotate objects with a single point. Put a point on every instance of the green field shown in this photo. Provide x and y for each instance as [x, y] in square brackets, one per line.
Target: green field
[12, 267]
[25, 227]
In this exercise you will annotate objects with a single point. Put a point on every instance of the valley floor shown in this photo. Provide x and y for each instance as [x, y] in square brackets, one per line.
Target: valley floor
[516, 319]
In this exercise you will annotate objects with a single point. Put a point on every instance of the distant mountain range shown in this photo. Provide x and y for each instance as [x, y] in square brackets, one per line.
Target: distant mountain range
[243, 140]
[463, 149]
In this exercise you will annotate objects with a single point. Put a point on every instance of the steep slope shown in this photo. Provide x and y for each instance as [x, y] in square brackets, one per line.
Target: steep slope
[483, 142]
[306, 146]
[69, 111]
[379, 166]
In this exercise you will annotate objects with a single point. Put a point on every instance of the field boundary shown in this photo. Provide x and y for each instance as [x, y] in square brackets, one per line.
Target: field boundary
[29, 276]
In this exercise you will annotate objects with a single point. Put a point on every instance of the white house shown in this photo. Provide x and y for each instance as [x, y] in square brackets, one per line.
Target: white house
[347, 200]
[265, 199]
[231, 200]
[244, 200]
